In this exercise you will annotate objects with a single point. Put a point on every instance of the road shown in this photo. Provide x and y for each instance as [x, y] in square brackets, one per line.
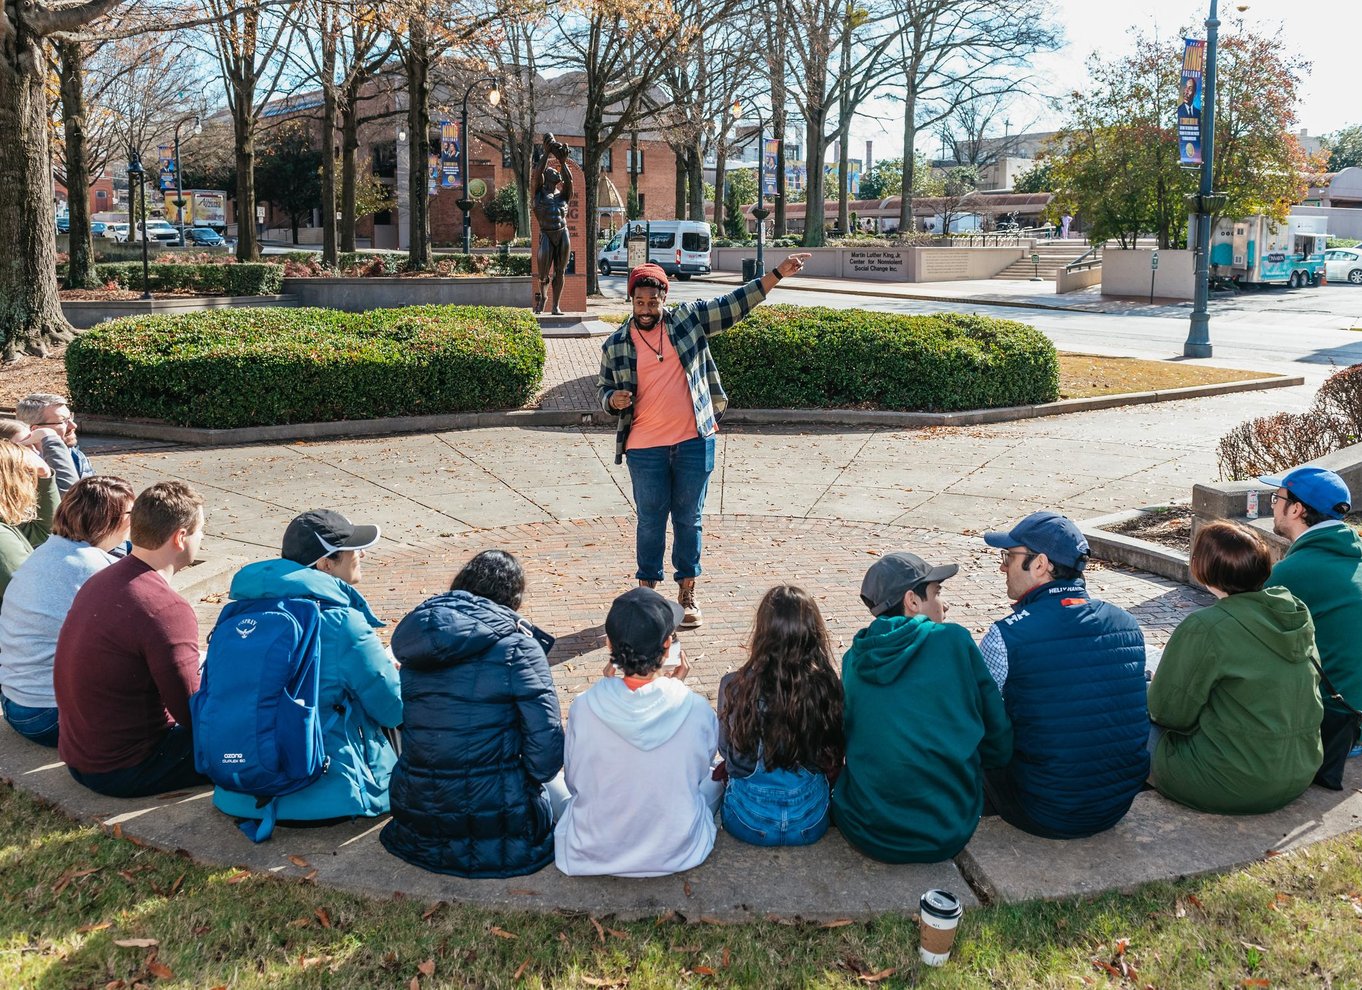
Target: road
[1306, 331]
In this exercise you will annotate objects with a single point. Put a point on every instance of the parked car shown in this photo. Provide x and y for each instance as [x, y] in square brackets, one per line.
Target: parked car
[64, 224]
[157, 230]
[680, 260]
[203, 236]
[1344, 264]
[116, 232]
[97, 228]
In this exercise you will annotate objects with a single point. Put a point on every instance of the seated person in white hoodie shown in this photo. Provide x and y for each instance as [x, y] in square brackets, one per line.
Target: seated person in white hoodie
[638, 754]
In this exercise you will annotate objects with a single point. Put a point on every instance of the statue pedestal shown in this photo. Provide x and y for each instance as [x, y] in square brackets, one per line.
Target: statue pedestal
[573, 298]
[573, 324]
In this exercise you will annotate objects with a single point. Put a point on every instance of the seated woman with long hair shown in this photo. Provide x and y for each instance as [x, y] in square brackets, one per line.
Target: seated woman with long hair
[482, 735]
[1236, 694]
[28, 500]
[91, 521]
[780, 725]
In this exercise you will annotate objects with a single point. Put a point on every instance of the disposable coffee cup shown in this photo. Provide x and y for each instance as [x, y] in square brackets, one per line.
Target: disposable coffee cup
[940, 912]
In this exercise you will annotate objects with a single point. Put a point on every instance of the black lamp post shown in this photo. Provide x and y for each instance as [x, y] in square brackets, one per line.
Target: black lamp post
[759, 212]
[466, 204]
[138, 174]
[1198, 343]
[179, 182]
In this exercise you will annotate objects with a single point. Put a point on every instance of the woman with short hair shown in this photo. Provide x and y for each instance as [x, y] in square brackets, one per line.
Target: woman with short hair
[91, 521]
[1236, 693]
[474, 791]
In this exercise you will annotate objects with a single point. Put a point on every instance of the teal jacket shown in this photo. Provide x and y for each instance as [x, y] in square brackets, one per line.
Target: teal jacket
[356, 672]
[922, 716]
[1237, 694]
[1323, 568]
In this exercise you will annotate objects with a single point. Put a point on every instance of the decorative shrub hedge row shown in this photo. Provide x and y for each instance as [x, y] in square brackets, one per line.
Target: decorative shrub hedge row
[258, 367]
[242, 279]
[782, 357]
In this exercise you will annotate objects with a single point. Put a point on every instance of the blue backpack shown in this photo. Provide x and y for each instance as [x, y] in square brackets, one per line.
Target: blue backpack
[256, 727]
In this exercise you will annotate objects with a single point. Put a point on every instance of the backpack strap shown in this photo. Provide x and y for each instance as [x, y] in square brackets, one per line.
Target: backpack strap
[1333, 693]
[260, 830]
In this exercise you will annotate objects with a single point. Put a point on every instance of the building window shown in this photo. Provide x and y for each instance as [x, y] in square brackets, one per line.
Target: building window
[506, 160]
[635, 168]
[608, 160]
[385, 160]
[642, 208]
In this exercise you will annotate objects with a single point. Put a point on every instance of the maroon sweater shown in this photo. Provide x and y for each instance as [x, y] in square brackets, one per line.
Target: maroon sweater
[127, 662]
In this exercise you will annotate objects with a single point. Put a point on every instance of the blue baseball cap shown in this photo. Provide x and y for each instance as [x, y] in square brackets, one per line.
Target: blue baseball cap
[1321, 489]
[1045, 532]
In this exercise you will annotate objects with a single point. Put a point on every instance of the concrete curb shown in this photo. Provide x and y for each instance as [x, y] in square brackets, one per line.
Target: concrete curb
[1143, 554]
[146, 429]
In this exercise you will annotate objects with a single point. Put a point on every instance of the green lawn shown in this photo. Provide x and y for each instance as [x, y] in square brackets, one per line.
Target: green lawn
[72, 894]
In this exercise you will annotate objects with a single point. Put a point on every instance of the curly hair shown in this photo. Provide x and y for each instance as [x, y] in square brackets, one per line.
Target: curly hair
[18, 486]
[632, 663]
[786, 701]
[495, 575]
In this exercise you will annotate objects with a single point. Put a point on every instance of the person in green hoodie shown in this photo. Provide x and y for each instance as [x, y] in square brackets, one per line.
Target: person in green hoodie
[922, 717]
[1323, 568]
[1236, 693]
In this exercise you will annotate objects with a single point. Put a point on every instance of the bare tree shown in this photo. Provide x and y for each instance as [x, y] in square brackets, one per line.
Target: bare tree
[971, 130]
[517, 116]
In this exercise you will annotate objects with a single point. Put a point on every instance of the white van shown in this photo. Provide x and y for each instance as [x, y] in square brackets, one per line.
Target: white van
[679, 247]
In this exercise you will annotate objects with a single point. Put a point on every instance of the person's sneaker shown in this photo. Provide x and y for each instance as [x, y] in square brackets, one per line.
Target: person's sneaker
[685, 597]
[647, 584]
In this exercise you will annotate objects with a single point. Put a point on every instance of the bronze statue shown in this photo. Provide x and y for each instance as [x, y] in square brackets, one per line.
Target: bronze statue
[552, 196]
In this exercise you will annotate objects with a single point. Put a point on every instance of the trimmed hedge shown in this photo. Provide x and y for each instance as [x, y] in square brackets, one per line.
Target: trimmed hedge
[783, 357]
[258, 367]
[239, 279]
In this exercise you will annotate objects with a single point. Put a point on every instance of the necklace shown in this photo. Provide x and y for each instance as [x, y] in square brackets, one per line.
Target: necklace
[644, 337]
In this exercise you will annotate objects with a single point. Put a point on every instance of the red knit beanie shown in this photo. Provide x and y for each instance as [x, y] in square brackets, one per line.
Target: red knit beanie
[648, 270]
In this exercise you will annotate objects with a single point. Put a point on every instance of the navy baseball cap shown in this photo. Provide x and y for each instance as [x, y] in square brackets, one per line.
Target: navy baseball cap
[1321, 489]
[1045, 532]
[641, 619]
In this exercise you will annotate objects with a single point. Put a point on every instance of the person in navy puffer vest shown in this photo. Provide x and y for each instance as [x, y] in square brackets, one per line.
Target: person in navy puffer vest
[482, 734]
[1071, 670]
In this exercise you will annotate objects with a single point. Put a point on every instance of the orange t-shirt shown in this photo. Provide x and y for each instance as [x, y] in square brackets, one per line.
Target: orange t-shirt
[664, 413]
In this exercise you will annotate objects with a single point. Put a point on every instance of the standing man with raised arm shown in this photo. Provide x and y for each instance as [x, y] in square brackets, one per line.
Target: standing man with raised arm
[658, 376]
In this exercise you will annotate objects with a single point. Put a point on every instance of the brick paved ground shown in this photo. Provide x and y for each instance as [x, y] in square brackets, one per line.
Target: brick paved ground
[569, 373]
[575, 568]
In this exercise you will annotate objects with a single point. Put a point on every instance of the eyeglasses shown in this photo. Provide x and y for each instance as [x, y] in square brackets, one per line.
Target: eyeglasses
[1003, 556]
[1276, 497]
[60, 422]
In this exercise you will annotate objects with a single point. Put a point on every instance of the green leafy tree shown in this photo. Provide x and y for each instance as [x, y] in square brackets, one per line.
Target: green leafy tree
[1039, 178]
[288, 173]
[740, 191]
[371, 194]
[1345, 148]
[504, 206]
[885, 178]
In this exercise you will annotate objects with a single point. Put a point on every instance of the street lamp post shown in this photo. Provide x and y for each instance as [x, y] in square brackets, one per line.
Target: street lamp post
[1198, 343]
[179, 182]
[759, 212]
[466, 204]
[137, 173]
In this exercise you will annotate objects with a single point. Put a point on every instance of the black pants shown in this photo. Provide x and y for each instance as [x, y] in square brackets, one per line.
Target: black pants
[1339, 733]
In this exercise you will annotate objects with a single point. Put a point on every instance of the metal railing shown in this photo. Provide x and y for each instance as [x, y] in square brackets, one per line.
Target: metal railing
[1090, 258]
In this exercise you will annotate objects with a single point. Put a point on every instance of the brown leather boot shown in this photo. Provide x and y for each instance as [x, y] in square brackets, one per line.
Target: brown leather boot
[685, 597]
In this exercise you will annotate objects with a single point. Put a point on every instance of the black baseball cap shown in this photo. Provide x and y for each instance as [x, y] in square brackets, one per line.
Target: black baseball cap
[322, 532]
[894, 575]
[641, 619]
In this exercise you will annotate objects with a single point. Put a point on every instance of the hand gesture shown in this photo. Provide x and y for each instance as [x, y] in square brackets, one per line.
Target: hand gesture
[793, 265]
[35, 463]
[621, 399]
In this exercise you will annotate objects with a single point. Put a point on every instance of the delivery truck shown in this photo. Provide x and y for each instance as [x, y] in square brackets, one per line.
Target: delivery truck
[1259, 251]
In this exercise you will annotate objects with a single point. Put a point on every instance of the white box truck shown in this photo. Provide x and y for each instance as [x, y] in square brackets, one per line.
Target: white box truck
[1259, 251]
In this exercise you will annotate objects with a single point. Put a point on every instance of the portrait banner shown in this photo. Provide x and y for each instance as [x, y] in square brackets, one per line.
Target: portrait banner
[1190, 101]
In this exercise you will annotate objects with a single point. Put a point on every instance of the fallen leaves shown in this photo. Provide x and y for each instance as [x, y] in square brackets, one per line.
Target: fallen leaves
[160, 970]
[299, 862]
[136, 943]
[65, 880]
[596, 981]
[426, 968]
[1119, 967]
[323, 917]
[433, 910]
[503, 933]
[837, 923]
[238, 876]
[520, 970]
[97, 926]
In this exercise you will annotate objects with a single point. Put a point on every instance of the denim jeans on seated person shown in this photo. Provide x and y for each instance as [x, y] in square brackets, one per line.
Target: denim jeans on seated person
[777, 807]
[37, 725]
[169, 768]
[670, 481]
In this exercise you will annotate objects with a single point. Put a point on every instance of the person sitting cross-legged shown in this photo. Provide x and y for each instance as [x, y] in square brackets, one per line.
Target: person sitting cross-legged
[1236, 694]
[91, 520]
[923, 719]
[1071, 671]
[127, 658]
[476, 789]
[638, 756]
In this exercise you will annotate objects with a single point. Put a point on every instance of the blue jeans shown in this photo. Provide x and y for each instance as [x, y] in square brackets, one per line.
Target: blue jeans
[670, 481]
[777, 807]
[170, 767]
[37, 725]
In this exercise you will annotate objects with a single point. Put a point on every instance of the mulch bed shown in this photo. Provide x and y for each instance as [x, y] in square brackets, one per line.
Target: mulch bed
[32, 374]
[1170, 526]
[120, 295]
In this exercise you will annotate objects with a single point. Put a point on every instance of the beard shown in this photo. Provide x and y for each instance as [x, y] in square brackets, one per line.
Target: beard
[645, 322]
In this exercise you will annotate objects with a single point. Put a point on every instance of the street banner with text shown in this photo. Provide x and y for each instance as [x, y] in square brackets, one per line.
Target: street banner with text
[449, 153]
[1190, 101]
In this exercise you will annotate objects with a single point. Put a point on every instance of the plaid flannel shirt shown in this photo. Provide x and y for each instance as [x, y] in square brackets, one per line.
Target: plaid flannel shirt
[689, 325]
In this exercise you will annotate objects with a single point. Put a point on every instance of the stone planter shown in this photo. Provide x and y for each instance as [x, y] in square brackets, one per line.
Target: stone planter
[83, 314]
[359, 295]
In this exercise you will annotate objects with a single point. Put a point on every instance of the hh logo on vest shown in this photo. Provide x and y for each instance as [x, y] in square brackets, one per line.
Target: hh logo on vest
[1016, 616]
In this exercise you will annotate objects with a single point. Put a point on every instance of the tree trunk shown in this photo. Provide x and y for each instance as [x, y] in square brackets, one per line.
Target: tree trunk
[843, 182]
[679, 207]
[591, 175]
[720, 176]
[330, 254]
[243, 122]
[349, 166]
[909, 164]
[695, 169]
[815, 199]
[418, 146]
[31, 320]
[80, 273]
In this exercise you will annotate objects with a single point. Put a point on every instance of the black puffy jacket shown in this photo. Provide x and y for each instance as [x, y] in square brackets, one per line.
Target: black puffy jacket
[481, 732]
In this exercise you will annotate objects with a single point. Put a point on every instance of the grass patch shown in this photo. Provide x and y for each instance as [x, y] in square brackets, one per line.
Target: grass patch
[1290, 921]
[1082, 376]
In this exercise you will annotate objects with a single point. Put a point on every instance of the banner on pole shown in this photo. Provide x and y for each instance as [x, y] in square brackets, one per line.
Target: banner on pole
[166, 154]
[432, 175]
[1190, 101]
[449, 153]
[769, 159]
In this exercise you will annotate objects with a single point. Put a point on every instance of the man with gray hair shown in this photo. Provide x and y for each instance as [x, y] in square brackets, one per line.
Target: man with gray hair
[51, 419]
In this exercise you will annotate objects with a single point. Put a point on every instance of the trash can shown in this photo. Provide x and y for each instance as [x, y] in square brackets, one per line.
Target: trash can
[749, 269]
